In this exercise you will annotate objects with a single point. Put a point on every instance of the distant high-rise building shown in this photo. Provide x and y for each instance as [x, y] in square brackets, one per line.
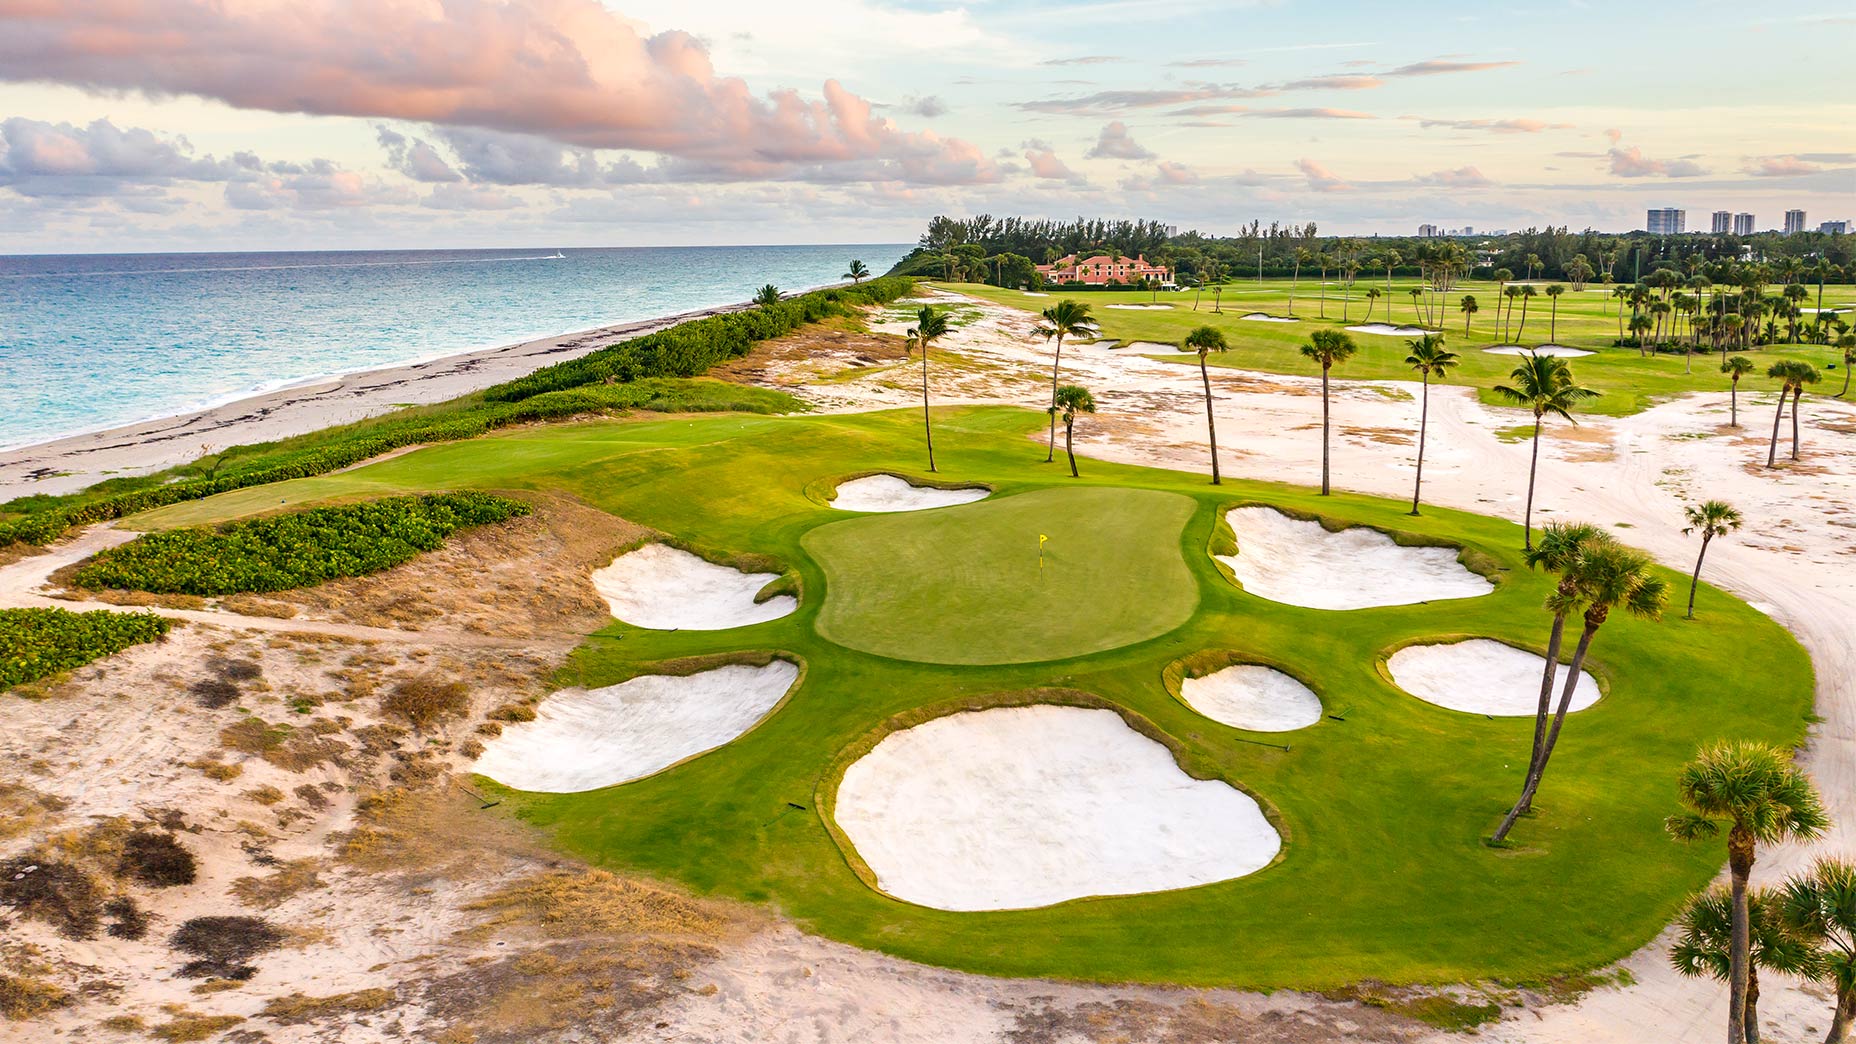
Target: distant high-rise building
[1834, 228]
[1666, 221]
[1723, 222]
[1743, 224]
[1428, 231]
[1794, 221]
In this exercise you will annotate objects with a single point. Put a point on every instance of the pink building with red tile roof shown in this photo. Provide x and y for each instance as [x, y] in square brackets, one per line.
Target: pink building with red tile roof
[1103, 268]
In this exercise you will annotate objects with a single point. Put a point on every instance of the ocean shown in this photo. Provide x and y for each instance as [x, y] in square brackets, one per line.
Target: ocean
[91, 341]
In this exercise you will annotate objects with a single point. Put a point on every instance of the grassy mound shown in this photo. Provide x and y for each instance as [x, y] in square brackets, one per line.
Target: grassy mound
[35, 643]
[295, 550]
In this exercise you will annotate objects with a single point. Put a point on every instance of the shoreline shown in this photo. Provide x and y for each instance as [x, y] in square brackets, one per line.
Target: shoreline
[69, 463]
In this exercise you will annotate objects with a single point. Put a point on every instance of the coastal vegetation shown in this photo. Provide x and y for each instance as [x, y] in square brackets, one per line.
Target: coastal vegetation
[37, 643]
[298, 549]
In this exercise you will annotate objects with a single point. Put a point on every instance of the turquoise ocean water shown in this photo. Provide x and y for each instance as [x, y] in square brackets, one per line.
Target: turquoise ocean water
[90, 341]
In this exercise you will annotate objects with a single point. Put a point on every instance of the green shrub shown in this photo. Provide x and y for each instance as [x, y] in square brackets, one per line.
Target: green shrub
[300, 549]
[35, 643]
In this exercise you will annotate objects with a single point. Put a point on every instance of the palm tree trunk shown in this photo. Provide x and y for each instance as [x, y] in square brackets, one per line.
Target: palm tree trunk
[1752, 1004]
[1797, 394]
[1324, 430]
[1733, 401]
[1050, 452]
[1553, 322]
[1841, 1020]
[1740, 865]
[1294, 278]
[1069, 435]
[1466, 315]
[1424, 421]
[927, 427]
[1772, 451]
[1846, 381]
[1211, 425]
[1519, 330]
[1541, 711]
[1573, 670]
[1695, 580]
[1533, 466]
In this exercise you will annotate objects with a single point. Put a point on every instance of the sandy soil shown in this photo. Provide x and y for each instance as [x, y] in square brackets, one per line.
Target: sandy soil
[1299, 562]
[1018, 807]
[1539, 349]
[1388, 330]
[1481, 676]
[885, 493]
[669, 589]
[1251, 696]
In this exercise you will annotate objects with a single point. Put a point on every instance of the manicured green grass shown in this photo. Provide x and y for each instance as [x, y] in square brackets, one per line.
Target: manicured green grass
[1383, 805]
[1628, 381]
[966, 585]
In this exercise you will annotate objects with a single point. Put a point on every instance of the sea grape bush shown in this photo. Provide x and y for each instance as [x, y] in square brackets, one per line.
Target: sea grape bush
[294, 550]
[35, 643]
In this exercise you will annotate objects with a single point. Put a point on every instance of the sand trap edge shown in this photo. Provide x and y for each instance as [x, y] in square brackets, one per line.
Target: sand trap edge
[1382, 666]
[1197, 766]
[682, 668]
[1223, 541]
[787, 580]
[1207, 662]
[820, 490]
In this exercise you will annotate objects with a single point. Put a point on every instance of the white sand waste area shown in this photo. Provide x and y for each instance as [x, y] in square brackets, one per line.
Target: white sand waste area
[1262, 317]
[1391, 331]
[1540, 349]
[889, 493]
[1141, 307]
[1482, 676]
[584, 739]
[669, 589]
[1026, 806]
[1295, 562]
[1032, 293]
[1251, 696]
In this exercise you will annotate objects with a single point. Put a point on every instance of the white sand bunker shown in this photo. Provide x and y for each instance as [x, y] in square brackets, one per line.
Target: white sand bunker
[889, 493]
[1141, 307]
[1482, 676]
[1295, 562]
[662, 587]
[1542, 349]
[1251, 696]
[584, 739]
[1264, 317]
[1027, 806]
[1390, 330]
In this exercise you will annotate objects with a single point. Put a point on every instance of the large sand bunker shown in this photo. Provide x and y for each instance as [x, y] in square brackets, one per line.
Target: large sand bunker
[1296, 562]
[1482, 676]
[661, 587]
[876, 493]
[584, 739]
[1141, 307]
[1264, 317]
[1539, 349]
[1027, 806]
[1388, 330]
[1251, 696]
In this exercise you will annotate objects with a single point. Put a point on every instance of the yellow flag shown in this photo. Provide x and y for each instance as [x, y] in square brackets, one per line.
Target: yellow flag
[1041, 539]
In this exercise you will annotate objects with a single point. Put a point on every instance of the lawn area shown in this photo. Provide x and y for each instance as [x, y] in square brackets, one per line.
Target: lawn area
[1587, 320]
[1381, 805]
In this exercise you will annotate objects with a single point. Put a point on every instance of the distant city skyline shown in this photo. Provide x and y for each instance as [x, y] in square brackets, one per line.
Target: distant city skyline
[189, 124]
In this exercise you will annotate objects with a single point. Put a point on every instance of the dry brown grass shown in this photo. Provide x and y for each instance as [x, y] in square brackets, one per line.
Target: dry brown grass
[424, 700]
[223, 945]
[24, 810]
[24, 997]
[565, 904]
[298, 1008]
[264, 893]
[184, 1025]
[265, 795]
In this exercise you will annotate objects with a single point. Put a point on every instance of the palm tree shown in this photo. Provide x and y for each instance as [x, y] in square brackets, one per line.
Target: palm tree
[1328, 347]
[929, 324]
[1735, 368]
[1553, 323]
[1533, 263]
[1373, 293]
[1528, 293]
[1821, 905]
[1559, 547]
[1066, 318]
[1605, 575]
[1072, 399]
[1417, 293]
[1543, 384]
[1792, 376]
[1323, 258]
[857, 273]
[1469, 308]
[1302, 255]
[1431, 359]
[1205, 340]
[1762, 798]
[1511, 293]
[1705, 946]
[1393, 259]
[1846, 342]
[1711, 519]
[767, 296]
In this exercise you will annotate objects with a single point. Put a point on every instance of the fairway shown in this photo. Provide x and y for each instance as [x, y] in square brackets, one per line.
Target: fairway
[964, 585]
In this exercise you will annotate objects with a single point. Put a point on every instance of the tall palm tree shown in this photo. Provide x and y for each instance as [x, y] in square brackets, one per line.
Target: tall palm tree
[1392, 259]
[1417, 295]
[1821, 905]
[1431, 359]
[1605, 576]
[1762, 798]
[1205, 340]
[1066, 318]
[1469, 308]
[767, 296]
[1553, 322]
[1559, 548]
[1513, 294]
[1712, 518]
[1373, 293]
[1072, 399]
[1528, 293]
[1543, 384]
[929, 324]
[857, 273]
[1735, 368]
[1327, 347]
[1705, 946]
[1792, 376]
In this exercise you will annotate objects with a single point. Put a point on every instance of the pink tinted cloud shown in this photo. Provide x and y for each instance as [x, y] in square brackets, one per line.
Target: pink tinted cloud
[1045, 164]
[1516, 125]
[567, 70]
[1321, 179]
[1461, 177]
[1781, 167]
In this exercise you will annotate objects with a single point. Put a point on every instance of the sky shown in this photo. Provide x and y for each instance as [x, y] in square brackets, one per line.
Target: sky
[328, 124]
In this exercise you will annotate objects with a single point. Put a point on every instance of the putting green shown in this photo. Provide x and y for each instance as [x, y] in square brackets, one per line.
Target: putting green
[965, 586]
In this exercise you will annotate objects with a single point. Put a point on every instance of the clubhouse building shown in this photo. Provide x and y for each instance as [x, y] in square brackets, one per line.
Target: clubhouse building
[1102, 269]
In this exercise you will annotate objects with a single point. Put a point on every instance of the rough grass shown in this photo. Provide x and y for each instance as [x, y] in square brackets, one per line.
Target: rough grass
[425, 700]
[58, 893]
[224, 945]
[156, 860]
[298, 1008]
[24, 997]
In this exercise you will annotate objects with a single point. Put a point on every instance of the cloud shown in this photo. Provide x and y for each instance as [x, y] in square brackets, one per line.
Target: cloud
[1336, 82]
[1518, 125]
[567, 70]
[1207, 63]
[1462, 177]
[1632, 163]
[1123, 100]
[1782, 166]
[1437, 67]
[319, 186]
[415, 158]
[469, 197]
[1087, 59]
[1321, 179]
[1169, 173]
[927, 105]
[1045, 164]
[1309, 114]
[1116, 143]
